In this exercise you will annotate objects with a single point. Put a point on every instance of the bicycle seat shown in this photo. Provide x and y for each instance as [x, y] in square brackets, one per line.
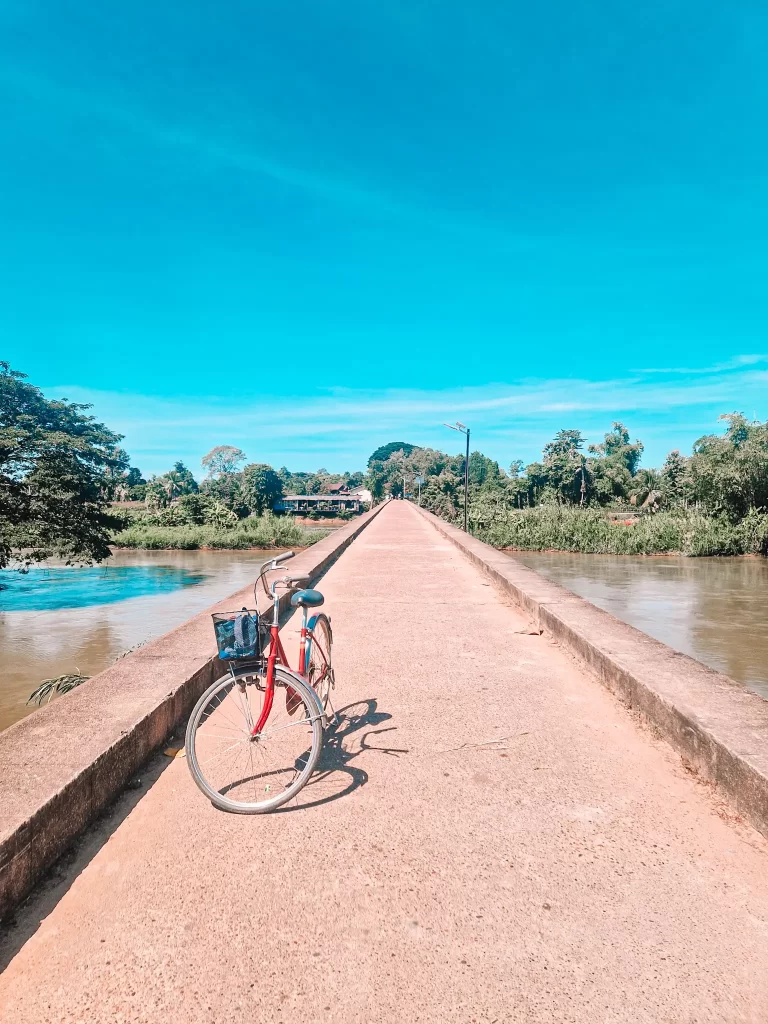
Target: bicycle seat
[307, 599]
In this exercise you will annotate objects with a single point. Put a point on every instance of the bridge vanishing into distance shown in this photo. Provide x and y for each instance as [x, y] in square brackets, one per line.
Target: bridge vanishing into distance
[492, 836]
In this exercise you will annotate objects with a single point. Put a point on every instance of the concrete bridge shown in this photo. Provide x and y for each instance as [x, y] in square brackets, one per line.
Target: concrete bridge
[494, 836]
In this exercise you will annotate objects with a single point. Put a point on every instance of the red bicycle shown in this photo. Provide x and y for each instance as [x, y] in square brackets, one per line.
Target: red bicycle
[255, 736]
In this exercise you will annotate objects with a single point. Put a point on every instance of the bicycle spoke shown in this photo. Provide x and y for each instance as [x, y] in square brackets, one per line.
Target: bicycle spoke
[252, 771]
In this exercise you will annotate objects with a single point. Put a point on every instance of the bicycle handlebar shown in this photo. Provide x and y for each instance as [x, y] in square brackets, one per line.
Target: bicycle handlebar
[270, 566]
[274, 561]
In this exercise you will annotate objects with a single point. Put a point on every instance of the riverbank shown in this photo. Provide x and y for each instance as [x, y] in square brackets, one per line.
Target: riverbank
[589, 531]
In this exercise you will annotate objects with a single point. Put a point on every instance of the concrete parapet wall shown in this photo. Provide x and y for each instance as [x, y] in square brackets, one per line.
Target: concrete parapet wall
[62, 765]
[720, 728]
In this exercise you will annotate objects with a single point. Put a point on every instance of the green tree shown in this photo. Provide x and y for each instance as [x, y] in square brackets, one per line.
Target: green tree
[375, 481]
[192, 508]
[227, 488]
[613, 464]
[156, 494]
[443, 495]
[563, 473]
[173, 484]
[616, 445]
[484, 472]
[203, 509]
[222, 459]
[674, 481]
[57, 468]
[126, 483]
[645, 482]
[182, 480]
[383, 453]
[261, 487]
[729, 473]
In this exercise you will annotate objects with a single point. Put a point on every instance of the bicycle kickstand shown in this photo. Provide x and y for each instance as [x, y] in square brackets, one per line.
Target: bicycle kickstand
[333, 718]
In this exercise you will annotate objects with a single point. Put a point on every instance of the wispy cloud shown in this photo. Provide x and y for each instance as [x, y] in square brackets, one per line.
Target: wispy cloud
[508, 419]
[737, 363]
[308, 171]
[208, 143]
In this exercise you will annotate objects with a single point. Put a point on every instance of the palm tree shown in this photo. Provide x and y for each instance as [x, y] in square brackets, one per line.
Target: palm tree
[643, 483]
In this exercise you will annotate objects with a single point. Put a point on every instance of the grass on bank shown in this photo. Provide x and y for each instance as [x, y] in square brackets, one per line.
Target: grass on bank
[262, 532]
[565, 528]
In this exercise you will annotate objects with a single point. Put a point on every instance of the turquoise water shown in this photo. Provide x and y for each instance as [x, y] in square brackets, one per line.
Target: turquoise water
[59, 619]
[64, 587]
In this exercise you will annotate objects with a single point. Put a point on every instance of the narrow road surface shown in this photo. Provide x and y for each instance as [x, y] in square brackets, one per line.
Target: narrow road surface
[492, 839]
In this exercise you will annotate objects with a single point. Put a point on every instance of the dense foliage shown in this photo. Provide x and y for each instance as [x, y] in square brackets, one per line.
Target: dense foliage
[255, 532]
[161, 490]
[383, 453]
[728, 473]
[714, 501]
[589, 530]
[58, 468]
[317, 483]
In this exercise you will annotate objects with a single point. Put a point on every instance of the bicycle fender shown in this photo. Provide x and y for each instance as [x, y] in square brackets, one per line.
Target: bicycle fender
[322, 715]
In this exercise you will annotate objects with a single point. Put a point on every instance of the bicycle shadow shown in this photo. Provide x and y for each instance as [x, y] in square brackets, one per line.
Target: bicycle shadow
[344, 740]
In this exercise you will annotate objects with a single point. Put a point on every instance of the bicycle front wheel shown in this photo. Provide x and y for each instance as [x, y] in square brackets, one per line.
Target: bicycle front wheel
[249, 774]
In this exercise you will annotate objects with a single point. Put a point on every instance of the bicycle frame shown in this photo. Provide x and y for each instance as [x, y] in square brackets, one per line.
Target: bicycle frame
[277, 656]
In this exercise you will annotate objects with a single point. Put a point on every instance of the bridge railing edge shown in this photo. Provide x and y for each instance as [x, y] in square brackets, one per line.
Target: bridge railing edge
[67, 762]
[719, 728]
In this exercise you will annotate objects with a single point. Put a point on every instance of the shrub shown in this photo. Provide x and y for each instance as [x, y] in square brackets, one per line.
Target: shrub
[565, 528]
[256, 532]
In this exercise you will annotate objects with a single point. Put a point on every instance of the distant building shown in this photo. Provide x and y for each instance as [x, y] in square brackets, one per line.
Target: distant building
[327, 504]
[338, 499]
[362, 493]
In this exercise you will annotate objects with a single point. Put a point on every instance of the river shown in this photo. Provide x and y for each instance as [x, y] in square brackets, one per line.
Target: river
[61, 619]
[714, 609]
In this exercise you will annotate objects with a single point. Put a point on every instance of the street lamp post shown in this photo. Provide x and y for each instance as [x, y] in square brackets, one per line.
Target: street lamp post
[463, 429]
[402, 469]
[419, 481]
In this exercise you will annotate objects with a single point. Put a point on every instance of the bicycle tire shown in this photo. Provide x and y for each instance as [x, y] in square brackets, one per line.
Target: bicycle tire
[214, 723]
[319, 670]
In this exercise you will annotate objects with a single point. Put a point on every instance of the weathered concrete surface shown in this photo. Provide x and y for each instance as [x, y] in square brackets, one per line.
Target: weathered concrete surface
[493, 838]
[60, 766]
[717, 725]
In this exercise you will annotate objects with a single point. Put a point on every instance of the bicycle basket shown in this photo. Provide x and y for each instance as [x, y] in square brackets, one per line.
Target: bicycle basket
[240, 634]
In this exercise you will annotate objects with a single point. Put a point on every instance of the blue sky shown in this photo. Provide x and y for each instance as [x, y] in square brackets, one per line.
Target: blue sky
[308, 229]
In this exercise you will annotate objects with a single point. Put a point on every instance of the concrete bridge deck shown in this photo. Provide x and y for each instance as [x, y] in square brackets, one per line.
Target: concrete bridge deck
[492, 838]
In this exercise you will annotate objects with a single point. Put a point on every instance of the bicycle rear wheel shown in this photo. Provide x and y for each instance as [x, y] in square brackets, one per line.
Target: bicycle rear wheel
[242, 773]
[319, 670]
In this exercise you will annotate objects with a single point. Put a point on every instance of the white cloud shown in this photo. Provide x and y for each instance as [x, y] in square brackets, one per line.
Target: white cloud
[340, 428]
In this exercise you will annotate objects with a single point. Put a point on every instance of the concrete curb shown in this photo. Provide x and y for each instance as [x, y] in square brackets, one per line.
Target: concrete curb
[719, 728]
[62, 765]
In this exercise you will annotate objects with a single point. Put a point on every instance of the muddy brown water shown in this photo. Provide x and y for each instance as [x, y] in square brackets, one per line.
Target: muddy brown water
[59, 620]
[714, 609]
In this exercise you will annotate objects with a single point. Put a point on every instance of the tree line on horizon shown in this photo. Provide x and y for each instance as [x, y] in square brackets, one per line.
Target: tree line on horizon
[229, 490]
[726, 474]
[61, 471]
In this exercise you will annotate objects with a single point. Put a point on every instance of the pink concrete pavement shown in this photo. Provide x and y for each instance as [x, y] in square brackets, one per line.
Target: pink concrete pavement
[492, 839]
